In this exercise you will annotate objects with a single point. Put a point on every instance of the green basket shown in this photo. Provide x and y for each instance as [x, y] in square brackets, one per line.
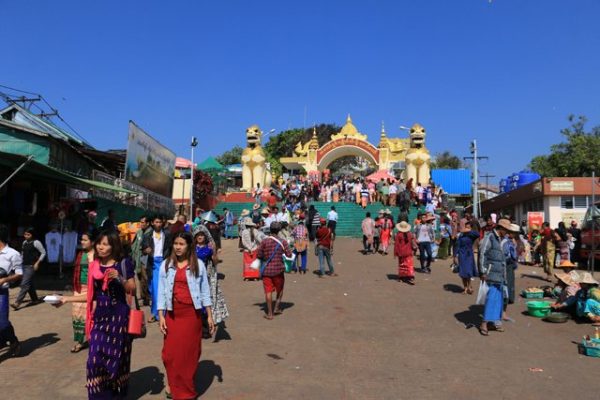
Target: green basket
[538, 309]
[529, 295]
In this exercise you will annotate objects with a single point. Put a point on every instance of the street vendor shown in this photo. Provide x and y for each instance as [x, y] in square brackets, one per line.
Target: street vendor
[588, 298]
[566, 290]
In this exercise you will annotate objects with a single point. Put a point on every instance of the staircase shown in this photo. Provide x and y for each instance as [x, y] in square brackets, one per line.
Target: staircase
[350, 215]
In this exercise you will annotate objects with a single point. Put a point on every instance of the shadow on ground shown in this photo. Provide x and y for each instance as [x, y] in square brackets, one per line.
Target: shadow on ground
[32, 344]
[206, 374]
[451, 287]
[284, 305]
[145, 381]
[471, 317]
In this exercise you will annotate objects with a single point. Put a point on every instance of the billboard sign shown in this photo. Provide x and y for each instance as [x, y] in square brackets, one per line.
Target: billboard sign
[149, 163]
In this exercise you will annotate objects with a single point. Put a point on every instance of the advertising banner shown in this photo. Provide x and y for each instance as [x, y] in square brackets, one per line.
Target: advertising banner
[535, 219]
[149, 163]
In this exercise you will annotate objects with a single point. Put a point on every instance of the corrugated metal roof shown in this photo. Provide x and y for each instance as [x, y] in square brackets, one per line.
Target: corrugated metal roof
[453, 181]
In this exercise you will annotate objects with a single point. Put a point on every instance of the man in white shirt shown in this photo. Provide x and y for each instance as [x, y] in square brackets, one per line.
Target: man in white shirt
[332, 217]
[11, 270]
[393, 191]
[157, 246]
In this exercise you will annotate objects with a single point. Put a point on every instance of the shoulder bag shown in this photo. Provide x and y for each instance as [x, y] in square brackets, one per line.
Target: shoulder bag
[137, 325]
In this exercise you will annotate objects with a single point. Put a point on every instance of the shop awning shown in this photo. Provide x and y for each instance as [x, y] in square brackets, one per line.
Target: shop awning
[34, 169]
[107, 186]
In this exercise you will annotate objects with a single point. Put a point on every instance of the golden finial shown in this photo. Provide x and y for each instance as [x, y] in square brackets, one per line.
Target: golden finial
[382, 129]
[314, 135]
[349, 119]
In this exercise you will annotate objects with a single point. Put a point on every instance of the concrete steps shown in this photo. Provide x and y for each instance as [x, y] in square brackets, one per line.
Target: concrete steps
[350, 215]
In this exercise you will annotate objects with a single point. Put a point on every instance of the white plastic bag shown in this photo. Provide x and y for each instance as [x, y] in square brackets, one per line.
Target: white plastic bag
[482, 293]
[255, 264]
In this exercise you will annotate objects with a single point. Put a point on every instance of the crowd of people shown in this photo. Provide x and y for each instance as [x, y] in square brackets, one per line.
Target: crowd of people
[172, 267]
[298, 191]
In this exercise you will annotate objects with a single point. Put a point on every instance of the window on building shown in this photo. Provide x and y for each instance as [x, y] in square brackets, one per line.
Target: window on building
[580, 201]
[566, 202]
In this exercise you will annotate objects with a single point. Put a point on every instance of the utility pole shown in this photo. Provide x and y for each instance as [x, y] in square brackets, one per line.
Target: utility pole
[487, 184]
[475, 159]
[194, 144]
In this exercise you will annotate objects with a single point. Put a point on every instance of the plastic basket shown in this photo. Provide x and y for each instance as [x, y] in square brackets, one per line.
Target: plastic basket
[591, 347]
[538, 309]
[530, 295]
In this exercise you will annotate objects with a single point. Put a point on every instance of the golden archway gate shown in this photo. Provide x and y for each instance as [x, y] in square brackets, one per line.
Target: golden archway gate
[314, 158]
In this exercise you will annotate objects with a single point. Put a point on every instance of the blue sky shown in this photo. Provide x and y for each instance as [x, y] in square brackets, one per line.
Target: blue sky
[506, 73]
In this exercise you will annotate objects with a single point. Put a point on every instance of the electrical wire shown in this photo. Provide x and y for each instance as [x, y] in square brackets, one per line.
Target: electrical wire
[52, 109]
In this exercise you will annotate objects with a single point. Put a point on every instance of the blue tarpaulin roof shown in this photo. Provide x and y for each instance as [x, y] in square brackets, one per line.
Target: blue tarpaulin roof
[453, 181]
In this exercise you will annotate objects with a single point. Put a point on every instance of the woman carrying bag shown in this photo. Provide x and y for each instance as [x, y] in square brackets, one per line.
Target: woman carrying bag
[183, 291]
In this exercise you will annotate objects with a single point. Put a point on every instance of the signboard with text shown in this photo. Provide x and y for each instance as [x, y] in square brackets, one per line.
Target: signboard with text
[149, 163]
[535, 219]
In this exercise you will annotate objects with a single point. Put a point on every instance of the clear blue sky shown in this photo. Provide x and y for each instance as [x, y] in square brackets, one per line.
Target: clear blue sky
[504, 72]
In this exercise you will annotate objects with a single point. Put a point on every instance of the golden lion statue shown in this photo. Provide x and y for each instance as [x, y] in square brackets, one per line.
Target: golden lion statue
[417, 157]
[254, 168]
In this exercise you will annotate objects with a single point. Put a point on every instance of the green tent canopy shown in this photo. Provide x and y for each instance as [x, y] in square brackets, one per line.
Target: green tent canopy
[210, 164]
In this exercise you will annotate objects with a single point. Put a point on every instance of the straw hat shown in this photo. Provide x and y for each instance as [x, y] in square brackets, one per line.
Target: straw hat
[504, 224]
[265, 211]
[586, 277]
[244, 213]
[515, 228]
[247, 222]
[256, 206]
[566, 278]
[566, 264]
[403, 226]
[575, 277]
[382, 211]
[387, 211]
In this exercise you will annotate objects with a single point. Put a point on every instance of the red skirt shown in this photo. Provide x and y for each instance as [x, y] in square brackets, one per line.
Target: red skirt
[405, 267]
[181, 349]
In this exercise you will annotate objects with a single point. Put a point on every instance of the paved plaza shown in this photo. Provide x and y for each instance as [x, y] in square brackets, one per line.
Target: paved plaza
[361, 335]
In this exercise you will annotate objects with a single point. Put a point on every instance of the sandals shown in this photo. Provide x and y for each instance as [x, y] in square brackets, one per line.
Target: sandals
[152, 320]
[484, 332]
[78, 347]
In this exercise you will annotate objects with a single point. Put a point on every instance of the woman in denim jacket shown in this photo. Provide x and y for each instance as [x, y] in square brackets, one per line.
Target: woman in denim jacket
[182, 292]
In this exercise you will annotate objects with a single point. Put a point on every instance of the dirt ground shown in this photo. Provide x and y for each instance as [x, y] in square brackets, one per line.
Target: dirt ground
[361, 335]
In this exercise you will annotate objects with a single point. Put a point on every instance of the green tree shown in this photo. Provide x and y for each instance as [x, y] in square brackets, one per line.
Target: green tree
[283, 144]
[577, 156]
[232, 156]
[446, 160]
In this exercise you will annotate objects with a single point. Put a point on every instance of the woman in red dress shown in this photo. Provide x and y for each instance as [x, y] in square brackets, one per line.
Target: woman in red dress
[386, 231]
[404, 246]
[183, 291]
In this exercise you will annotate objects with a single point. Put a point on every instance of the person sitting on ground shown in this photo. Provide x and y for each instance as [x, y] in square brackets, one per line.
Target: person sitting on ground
[565, 291]
[588, 299]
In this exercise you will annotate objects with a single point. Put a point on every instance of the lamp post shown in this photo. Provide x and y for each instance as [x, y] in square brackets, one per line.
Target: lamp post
[193, 144]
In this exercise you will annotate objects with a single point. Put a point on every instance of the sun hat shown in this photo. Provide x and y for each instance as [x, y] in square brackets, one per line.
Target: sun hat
[256, 206]
[575, 277]
[247, 221]
[515, 228]
[403, 226]
[586, 277]
[566, 264]
[566, 278]
[245, 213]
[209, 216]
[265, 211]
[382, 211]
[387, 211]
[504, 224]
